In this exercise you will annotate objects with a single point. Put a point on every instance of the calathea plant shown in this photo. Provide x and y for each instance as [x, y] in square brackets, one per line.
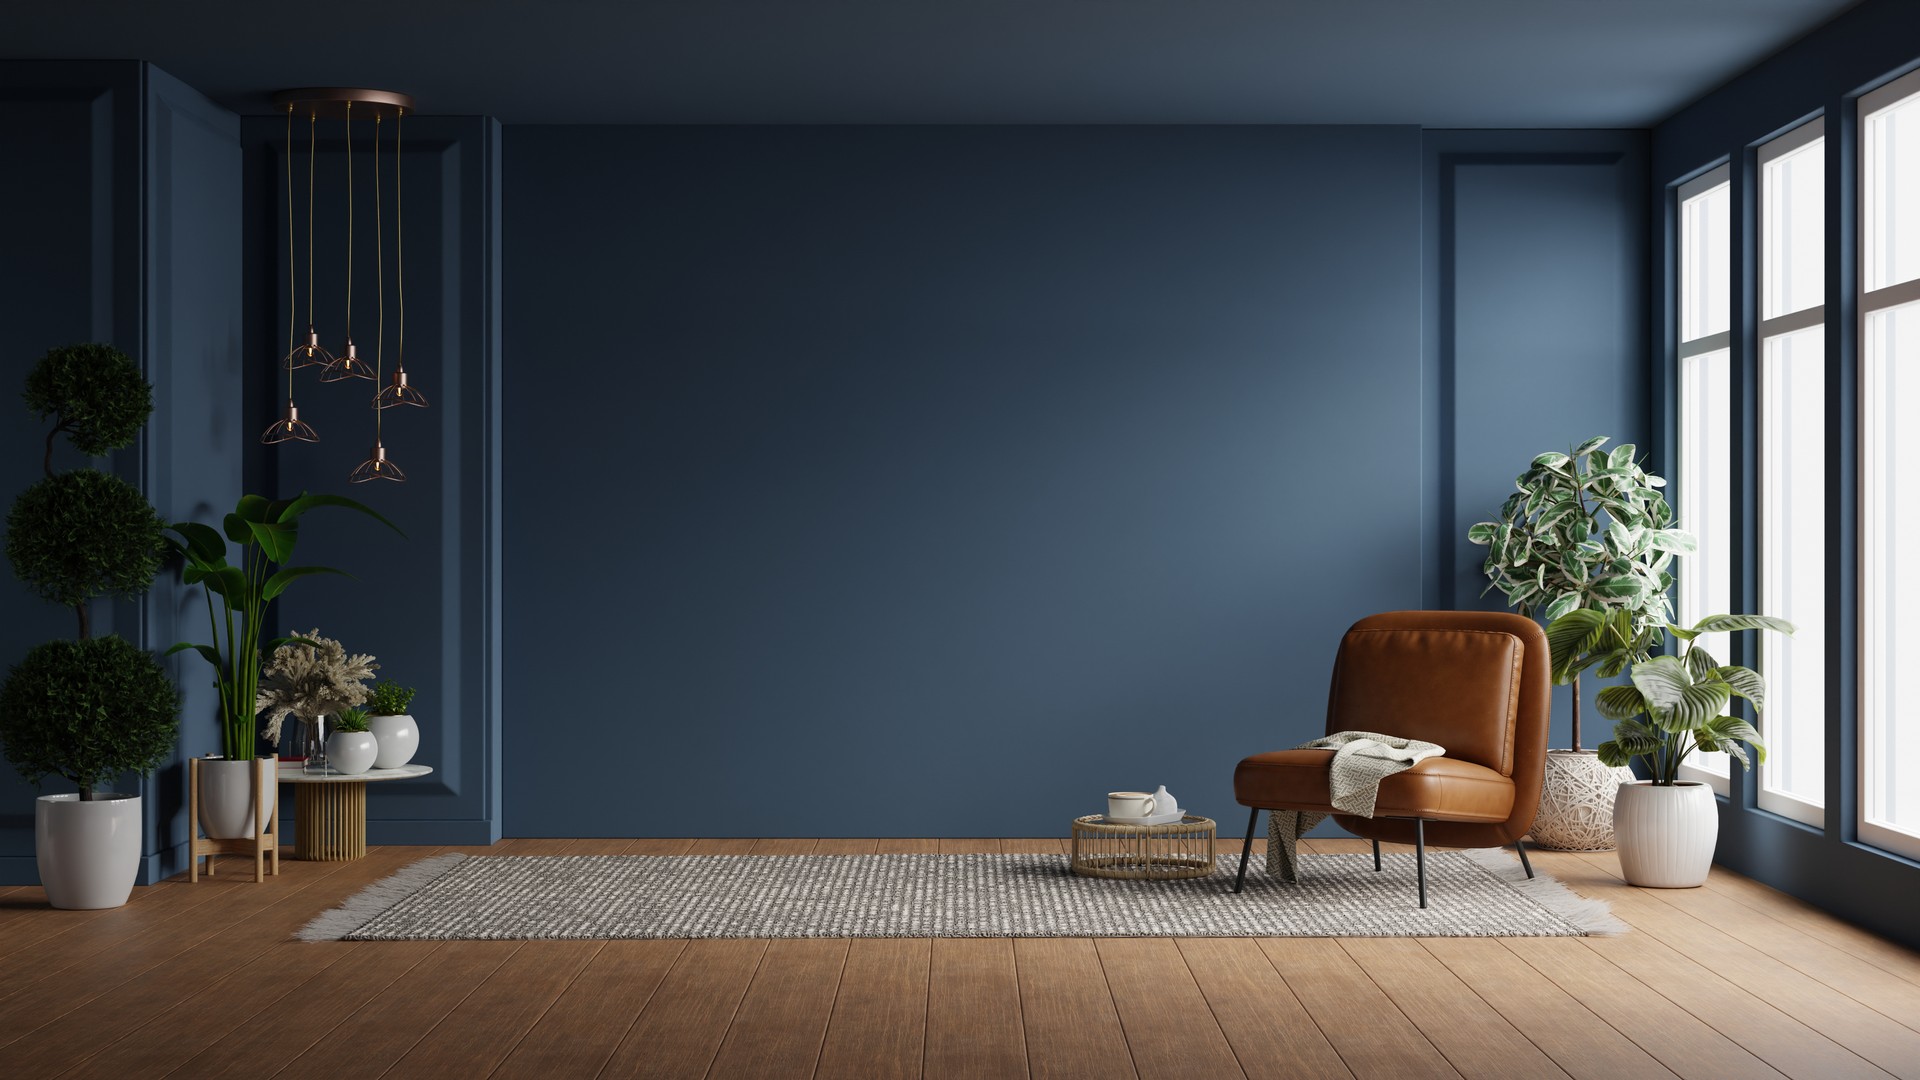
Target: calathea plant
[1675, 704]
[1585, 529]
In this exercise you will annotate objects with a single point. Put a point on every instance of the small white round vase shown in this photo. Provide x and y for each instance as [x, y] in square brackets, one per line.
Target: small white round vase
[1666, 833]
[351, 752]
[88, 852]
[399, 740]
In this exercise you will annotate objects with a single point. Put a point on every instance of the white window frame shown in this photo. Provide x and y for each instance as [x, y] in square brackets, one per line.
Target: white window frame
[1879, 836]
[1780, 802]
[1685, 349]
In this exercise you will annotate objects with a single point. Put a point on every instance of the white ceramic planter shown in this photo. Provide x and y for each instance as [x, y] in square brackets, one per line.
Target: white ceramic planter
[351, 752]
[89, 852]
[226, 797]
[1666, 834]
[399, 740]
[1576, 802]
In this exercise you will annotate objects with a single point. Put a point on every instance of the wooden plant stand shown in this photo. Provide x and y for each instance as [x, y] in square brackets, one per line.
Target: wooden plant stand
[265, 841]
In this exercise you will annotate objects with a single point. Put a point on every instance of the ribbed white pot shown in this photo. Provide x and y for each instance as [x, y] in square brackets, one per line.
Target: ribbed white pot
[351, 752]
[88, 852]
[399, 739]
[1666, 834]
[226, 797]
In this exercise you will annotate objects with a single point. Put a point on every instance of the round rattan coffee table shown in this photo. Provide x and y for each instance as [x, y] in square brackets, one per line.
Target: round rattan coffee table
[1180, 849]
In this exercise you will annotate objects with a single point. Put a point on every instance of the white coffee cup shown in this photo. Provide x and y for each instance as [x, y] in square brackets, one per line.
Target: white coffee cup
[1129, 804]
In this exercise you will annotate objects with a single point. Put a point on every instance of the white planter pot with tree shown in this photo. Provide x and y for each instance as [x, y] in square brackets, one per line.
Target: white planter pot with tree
[1585, 529]
[96, 708]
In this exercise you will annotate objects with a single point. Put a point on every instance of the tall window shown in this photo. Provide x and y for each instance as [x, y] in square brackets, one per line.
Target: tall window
[1889, 492]
[1706, 408]
[1793, 457]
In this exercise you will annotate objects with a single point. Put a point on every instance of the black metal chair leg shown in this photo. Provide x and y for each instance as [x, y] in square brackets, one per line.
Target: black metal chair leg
[1376, 856]
[1521, 847]
[1420, 855]
[1246, 849]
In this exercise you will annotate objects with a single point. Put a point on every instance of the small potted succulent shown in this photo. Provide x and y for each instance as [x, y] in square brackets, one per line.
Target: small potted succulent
[94, 708]
[398, 736]
[351, 748]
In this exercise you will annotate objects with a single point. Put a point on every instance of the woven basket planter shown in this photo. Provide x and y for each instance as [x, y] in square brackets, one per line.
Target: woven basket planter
[1576, 802]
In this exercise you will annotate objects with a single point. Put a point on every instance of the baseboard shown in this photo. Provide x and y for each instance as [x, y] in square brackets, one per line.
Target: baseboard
[461, 833]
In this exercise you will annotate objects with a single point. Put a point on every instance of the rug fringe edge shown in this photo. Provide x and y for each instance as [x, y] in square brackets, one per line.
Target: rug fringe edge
[1595, 918]
[362, 907]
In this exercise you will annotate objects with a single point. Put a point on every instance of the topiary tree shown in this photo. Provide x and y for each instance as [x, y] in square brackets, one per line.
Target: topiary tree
[90, 709]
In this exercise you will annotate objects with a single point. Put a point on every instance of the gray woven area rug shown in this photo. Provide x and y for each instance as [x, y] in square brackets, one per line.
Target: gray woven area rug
[454, 897]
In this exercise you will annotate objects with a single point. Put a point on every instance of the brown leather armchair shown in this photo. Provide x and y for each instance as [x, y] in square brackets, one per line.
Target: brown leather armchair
[1475, 682]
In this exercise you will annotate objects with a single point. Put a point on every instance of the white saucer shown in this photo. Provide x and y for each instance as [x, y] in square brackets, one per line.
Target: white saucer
[1155, 819]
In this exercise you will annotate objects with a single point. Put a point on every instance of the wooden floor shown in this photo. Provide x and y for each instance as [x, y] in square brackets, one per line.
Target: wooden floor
[1732, 980]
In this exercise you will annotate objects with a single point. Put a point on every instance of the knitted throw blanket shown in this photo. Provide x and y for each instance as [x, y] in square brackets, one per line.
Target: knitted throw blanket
[1361, 760]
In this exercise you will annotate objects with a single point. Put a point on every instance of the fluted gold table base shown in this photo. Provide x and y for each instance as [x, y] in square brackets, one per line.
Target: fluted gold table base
[330, 822]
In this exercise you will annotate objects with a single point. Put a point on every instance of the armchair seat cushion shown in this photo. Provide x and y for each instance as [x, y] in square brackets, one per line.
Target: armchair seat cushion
[1437, 789]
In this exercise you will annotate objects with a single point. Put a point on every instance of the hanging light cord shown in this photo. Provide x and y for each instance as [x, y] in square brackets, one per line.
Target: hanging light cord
[292, 311]
[313, 123]
[399, 240]
[349, 221]
[379, 282]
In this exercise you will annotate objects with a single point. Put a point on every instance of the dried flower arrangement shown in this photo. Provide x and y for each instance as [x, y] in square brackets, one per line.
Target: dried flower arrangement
[310, 676]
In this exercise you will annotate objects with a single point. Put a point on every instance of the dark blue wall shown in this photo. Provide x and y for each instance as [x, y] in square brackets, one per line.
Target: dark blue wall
[934, 481]
[1823, 73]
[1536, 308]
[133, 240]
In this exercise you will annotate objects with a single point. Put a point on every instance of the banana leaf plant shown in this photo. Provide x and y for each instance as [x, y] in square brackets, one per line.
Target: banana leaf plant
[265, 532]
[1674, 704]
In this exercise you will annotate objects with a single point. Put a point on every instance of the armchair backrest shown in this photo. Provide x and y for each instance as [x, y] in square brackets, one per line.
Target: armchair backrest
[1476, 682]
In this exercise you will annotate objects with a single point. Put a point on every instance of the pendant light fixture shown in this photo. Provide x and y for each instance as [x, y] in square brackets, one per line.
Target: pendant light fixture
[348, 365]
[290, 428]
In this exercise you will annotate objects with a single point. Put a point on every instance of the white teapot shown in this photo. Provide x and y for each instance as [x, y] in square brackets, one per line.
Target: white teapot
[1164, 802]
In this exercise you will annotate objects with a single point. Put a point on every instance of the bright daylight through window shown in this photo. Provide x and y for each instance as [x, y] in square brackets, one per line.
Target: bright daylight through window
[1889, 487]
[1793, 464]
[1706, 405]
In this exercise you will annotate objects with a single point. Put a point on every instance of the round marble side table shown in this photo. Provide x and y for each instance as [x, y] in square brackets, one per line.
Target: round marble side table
[330, 819]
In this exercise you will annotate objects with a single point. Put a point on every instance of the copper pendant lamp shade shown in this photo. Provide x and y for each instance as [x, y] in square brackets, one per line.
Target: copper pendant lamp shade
[289, 428]
[347, 367]
[377, 467]
[400, 393]
[309, 354]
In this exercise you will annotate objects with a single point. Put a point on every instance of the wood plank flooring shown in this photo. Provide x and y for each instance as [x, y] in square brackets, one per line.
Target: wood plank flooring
[190, 981]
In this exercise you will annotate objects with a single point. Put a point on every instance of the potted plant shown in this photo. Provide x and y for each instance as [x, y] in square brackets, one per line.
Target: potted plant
[1666, 827]
[93, 708]
[1586, 530]
[311, 678]
[351, 748]
[398, 735]
[264, 532]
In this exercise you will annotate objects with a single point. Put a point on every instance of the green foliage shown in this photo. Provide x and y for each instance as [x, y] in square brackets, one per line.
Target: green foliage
[390, 698]
[265, 532]
[96, 391]
[88, 710]
[1676, 704]
[81, 534]
[351, 720]
[1585, 529]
